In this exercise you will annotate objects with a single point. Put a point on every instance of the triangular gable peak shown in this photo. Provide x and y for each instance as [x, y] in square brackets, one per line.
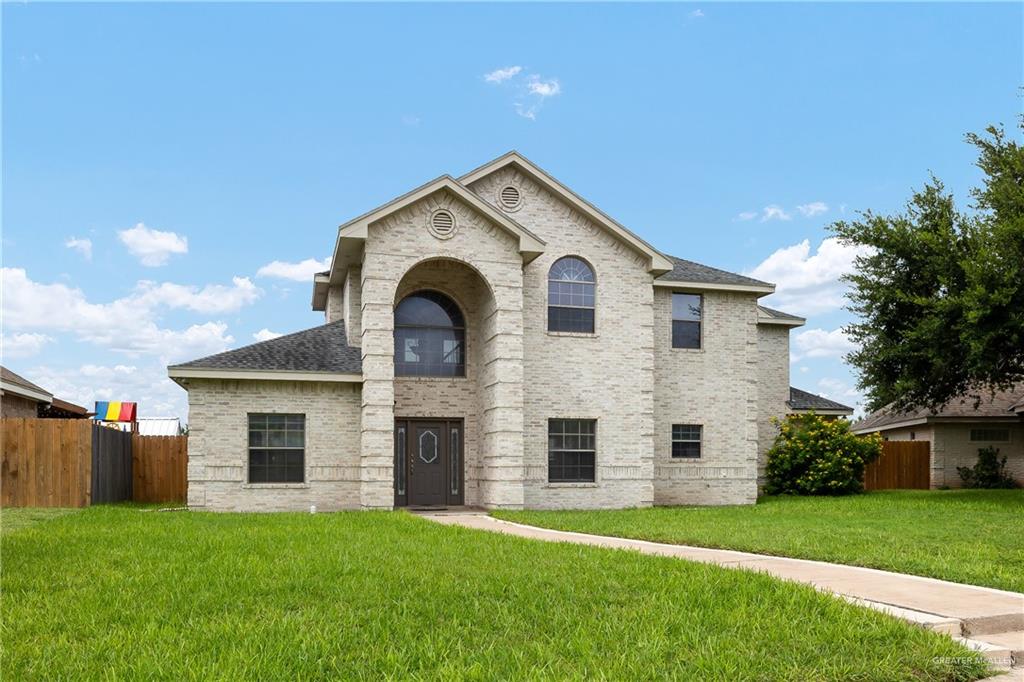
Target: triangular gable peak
[657, 263]
[352, 235]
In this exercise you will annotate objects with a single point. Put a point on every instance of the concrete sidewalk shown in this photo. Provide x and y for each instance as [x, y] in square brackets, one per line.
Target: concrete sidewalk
[989, 621]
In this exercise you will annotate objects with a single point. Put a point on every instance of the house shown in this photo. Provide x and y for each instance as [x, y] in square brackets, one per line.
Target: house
[19, 397]
[957, 431]
[497, 341]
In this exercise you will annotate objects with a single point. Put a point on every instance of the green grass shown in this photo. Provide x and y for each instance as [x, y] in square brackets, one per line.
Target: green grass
[966, 536]
[120, 593]
[17, 518]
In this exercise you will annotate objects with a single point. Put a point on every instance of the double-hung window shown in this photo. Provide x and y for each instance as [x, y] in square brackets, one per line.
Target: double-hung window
[686, 441]
[571, 296]
[571, 450]
[686, 316]
[277, 448]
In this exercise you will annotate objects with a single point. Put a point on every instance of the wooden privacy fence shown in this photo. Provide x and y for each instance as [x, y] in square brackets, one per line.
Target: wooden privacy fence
[46, 462]
[904, 464]
[159, 466]
[75, 463]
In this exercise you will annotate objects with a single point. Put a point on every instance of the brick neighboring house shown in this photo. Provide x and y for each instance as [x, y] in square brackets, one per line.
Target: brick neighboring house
[957, 431]
[19, 397]
[496, 341]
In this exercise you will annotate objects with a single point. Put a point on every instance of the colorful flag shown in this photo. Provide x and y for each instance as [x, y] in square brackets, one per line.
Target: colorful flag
[115, 411]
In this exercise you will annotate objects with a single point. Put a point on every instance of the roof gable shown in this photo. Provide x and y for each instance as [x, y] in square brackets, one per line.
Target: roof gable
[657, 262]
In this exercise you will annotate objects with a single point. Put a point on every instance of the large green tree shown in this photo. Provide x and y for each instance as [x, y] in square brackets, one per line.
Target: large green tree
[939, 292]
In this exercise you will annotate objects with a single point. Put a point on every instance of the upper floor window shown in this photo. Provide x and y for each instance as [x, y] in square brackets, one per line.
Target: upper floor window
[686, 312]
[430, 336]
[571, 296]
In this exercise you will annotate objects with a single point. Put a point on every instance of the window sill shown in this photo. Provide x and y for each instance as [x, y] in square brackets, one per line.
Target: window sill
[569, 484]
[453, 380]
[257, 486]
[688, 350]
[580, 335]
[685, 460]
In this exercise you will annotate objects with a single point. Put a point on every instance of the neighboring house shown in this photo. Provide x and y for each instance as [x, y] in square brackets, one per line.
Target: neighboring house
[19, 397]
[957, 431]
[496, 341]
[802, 402]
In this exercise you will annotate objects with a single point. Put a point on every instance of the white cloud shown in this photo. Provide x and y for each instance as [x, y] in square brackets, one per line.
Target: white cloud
[266, 335]
[144, 383]
[502, 75]
[746, 215]
[697, 14]
[302, 271]
[212, 298]
[125, 325]
[806, 283]
[819, 343]
[22, 345]
[82, 246]
[812, 209]
[152, 247]
[840, 391]
[774, 212]
[543, 88]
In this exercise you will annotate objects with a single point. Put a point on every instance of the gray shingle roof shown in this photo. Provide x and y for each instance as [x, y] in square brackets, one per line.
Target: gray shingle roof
[999, 404]
[320, 349]
[802, 400]
[688, 271]
[779, 315]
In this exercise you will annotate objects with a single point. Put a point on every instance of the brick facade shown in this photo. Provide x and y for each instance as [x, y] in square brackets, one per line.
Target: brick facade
[16, 406]
[952, 447]
[626, 375]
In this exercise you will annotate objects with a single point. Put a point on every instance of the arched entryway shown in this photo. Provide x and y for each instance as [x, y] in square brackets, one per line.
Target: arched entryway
[443, 318]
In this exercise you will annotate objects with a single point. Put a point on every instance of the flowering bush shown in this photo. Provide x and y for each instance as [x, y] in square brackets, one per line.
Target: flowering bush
[989, 472]
[816, 456]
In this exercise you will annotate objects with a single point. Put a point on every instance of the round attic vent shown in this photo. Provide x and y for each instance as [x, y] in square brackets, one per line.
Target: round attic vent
[510, 197]
[442, 223]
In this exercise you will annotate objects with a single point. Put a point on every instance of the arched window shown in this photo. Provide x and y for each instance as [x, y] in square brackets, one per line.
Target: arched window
[430, 336]
[571, 296]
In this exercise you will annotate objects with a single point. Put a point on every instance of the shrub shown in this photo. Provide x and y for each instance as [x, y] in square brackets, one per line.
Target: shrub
[816, 456]
[988, 472]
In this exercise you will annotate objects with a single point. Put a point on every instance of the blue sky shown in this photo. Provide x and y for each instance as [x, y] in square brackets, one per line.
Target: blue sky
[158, 159]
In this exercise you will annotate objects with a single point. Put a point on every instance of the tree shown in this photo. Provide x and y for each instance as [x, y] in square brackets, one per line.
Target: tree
[939, 293]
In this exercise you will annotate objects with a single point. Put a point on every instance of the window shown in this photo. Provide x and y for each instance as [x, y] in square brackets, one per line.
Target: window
[990, 435]
[913, 435]
[686, 440]
[686, 309]
[277, 448]
[571, 296]
[430, 336]
[571, 450]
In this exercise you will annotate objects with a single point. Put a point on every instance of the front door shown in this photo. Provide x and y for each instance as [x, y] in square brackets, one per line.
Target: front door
[428, 462]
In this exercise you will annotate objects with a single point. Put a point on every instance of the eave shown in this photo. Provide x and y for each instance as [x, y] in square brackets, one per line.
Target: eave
[25, 392]
[185, 373]
[713, 286]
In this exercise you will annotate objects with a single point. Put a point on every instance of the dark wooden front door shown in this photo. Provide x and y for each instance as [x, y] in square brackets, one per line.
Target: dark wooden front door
[428, 462]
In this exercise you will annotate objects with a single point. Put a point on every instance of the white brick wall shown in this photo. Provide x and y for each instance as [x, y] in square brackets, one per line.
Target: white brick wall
[219, 436]
[715, 387]
[607, 376]
[773, 388]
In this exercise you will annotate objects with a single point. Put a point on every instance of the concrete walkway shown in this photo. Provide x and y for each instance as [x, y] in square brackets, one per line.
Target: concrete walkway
[987, 620]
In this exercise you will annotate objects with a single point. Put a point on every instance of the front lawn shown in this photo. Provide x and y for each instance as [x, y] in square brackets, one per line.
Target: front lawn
[966, 536]
[118, 593]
